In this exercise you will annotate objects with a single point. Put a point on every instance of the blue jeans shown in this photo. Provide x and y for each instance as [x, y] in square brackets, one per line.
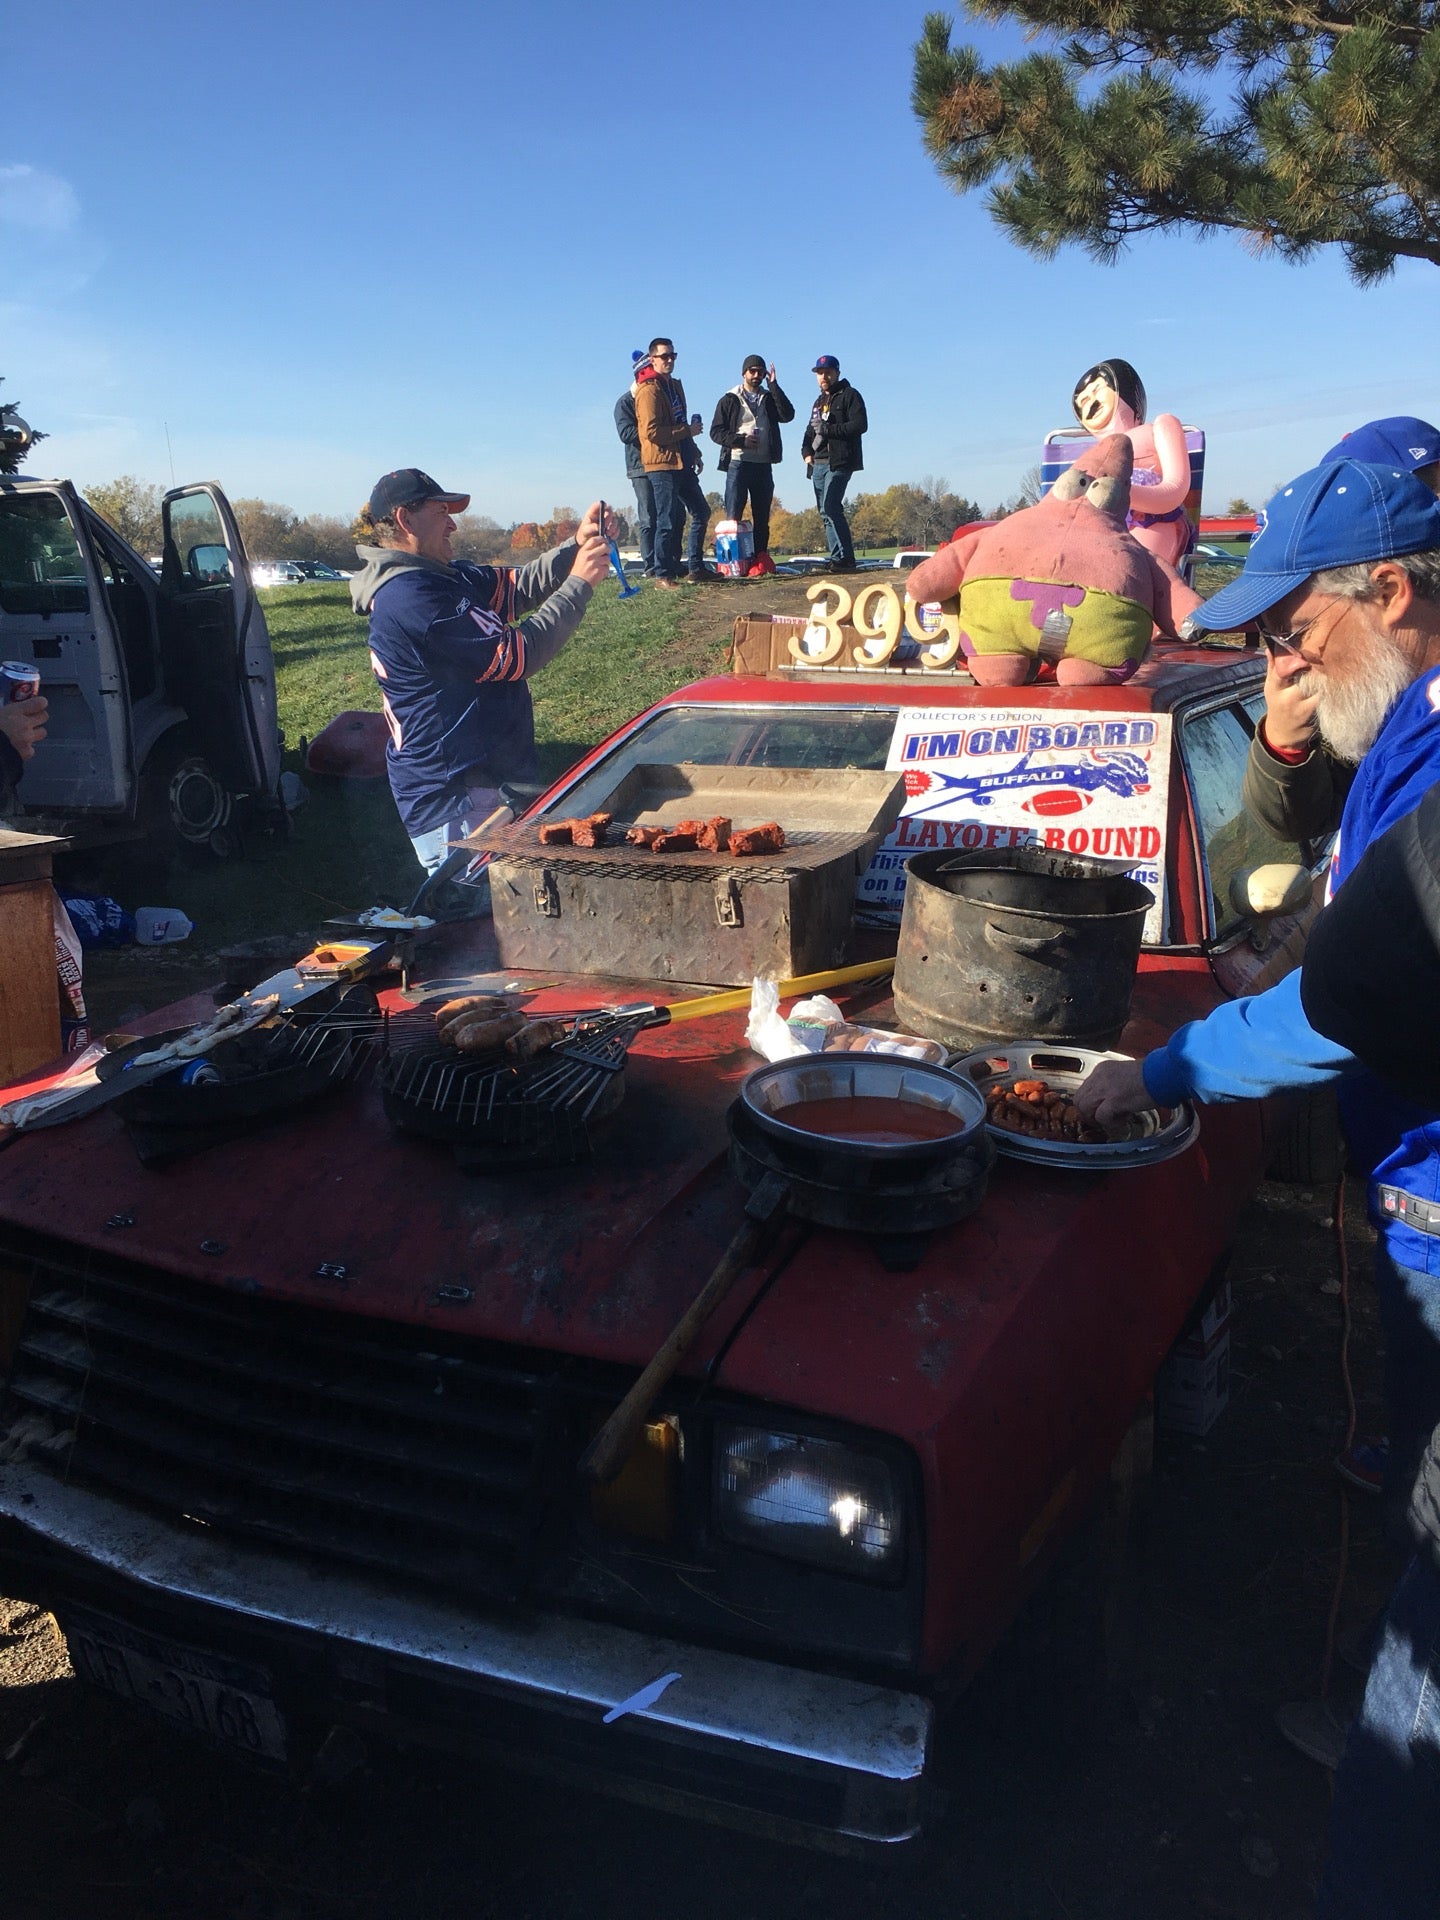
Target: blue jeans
[434, 848]
[1410, 1319]
[830, 485]
[757, 479]
[677, 494]
[644, 520]
[1386, 1814]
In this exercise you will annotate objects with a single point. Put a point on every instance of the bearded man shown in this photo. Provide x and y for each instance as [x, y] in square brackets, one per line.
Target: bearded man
[1343, 584]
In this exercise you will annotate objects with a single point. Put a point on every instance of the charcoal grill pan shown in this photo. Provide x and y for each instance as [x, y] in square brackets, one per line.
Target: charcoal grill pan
[243, 1095]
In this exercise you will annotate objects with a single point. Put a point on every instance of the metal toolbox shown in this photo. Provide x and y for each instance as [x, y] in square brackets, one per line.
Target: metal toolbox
[703, 917]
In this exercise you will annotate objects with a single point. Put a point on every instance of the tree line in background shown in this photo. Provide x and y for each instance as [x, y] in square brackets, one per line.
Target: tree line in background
[904, 515]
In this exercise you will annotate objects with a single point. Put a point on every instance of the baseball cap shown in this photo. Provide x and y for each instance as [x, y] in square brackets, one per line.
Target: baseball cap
[826, 361]
[1335, 515]
[407, 487]
[1400, 441]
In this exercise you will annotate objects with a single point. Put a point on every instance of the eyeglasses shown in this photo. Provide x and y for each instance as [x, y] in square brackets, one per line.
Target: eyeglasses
[667, 357]
[1291, 642]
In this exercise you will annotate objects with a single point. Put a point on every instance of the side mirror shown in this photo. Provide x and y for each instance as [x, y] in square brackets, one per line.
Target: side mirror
[1263, 891]
[210, 566]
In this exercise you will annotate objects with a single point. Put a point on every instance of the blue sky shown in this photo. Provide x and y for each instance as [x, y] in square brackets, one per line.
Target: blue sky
[319, 241]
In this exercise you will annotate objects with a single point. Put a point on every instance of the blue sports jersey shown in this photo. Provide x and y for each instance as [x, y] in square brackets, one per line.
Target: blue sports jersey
[451, 667]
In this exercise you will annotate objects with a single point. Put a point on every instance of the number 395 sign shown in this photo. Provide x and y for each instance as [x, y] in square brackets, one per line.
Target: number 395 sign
[880, 618]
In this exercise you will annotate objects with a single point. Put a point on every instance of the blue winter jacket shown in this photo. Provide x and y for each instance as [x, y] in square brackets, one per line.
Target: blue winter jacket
[1263, 1044]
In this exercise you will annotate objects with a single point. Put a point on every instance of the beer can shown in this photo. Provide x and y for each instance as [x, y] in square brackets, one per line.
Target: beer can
[19, 681]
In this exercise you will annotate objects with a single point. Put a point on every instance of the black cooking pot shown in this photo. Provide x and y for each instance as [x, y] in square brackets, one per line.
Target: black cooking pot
[1017, 944]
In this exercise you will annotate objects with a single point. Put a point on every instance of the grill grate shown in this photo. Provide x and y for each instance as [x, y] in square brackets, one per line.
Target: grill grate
[387, 1449]
[491, 1112]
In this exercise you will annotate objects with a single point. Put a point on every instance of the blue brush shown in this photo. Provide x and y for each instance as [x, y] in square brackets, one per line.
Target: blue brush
[627, 592]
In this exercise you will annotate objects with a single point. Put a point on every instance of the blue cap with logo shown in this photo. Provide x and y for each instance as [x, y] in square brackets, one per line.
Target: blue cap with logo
[1335, 515]
[1401, 441]
[827, 363]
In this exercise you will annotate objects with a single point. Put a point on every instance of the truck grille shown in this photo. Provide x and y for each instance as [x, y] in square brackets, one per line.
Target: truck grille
[356, 1440]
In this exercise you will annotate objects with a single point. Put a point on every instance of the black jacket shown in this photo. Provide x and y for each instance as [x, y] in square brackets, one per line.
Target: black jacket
[629, 435]
[1372, 962]
[11, 768]
[727, 428]
[846, 424]
[1372, 981]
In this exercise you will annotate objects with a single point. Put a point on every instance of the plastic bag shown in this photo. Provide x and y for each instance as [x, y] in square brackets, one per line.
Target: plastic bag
[98, 920]
[767, 1033]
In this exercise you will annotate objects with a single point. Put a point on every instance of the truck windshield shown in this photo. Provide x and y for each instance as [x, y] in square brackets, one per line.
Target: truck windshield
[41, 566]
[776, 736]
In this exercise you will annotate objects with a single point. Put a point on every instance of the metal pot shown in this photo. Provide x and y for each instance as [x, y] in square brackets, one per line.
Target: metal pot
[1020, 943]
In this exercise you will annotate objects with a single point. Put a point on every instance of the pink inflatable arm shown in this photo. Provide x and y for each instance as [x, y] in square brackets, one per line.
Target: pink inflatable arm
[940, 576]
[1173, 460]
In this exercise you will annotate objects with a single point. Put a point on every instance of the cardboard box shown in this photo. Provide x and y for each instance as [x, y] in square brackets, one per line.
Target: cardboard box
[760, 643]
[1193, 1389]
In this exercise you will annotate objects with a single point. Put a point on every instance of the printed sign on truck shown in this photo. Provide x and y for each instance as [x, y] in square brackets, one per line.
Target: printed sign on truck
[1091, 783]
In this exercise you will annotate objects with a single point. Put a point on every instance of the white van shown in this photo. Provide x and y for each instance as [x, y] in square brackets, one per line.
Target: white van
[161, 683]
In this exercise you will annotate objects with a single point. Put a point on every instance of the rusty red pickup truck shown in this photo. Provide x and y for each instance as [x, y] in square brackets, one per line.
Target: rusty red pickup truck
[291, 1426]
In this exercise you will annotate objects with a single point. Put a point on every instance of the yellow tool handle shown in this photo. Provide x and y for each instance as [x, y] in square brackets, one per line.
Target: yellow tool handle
[789, 989]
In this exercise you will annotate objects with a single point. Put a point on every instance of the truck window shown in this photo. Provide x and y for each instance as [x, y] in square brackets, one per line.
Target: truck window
[1214, 748]
[197, 540]
[743, 737]
[41, 566]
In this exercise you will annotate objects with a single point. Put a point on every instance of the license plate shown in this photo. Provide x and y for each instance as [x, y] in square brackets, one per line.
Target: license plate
[208, 1692]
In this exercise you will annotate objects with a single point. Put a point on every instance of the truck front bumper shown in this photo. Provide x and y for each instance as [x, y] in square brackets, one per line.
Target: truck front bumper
[801, 1754]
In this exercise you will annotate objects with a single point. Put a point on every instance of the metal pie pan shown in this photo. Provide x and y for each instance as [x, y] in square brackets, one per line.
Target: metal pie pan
[768, 1092]
[1148, 1139]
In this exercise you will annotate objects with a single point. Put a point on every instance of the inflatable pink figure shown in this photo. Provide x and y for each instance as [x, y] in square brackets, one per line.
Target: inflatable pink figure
[1110, 398]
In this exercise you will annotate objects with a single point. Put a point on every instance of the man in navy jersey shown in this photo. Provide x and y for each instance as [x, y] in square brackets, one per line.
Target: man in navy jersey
[452, 653]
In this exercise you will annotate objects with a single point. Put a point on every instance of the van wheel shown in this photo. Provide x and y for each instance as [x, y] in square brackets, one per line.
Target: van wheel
[182, 799]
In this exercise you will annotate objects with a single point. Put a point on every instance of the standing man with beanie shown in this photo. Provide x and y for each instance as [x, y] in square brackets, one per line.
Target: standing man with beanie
[831, 450]
[672, 462]
[629, 432]
[452, 655]
[746, 428]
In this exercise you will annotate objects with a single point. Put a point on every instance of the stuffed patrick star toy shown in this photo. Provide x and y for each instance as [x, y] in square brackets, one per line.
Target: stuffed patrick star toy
[1061, 581]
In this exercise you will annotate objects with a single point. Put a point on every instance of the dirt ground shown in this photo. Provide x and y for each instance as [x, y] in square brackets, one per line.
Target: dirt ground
[1168, 1794]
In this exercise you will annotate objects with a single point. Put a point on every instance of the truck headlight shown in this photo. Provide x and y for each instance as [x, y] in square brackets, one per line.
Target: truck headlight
[814, 1500]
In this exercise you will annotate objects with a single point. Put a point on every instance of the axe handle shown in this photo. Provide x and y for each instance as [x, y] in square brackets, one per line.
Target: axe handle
[613, 1444]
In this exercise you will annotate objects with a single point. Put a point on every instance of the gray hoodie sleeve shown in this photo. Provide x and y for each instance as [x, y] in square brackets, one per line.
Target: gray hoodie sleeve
[560, 604]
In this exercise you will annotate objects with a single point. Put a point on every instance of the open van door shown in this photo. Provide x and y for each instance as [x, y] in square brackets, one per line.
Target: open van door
[54, 614]
[214, 642]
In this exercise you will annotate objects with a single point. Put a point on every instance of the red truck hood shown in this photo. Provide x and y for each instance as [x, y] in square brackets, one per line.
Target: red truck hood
[599, 1260]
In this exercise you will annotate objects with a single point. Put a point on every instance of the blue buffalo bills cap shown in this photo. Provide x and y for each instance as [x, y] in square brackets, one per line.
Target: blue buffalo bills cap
[826, 363]
[1401, 442]
[408, 487]
[1333, 516]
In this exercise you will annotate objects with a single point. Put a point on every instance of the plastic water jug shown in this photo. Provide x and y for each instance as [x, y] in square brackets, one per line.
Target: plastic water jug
[159, 926]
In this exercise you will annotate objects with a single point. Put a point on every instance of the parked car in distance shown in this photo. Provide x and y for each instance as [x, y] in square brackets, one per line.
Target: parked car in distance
[318, 570]
[912, 556]
[275, 573]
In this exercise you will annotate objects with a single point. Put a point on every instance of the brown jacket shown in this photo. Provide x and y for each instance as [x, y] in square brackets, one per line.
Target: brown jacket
[663, 442]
